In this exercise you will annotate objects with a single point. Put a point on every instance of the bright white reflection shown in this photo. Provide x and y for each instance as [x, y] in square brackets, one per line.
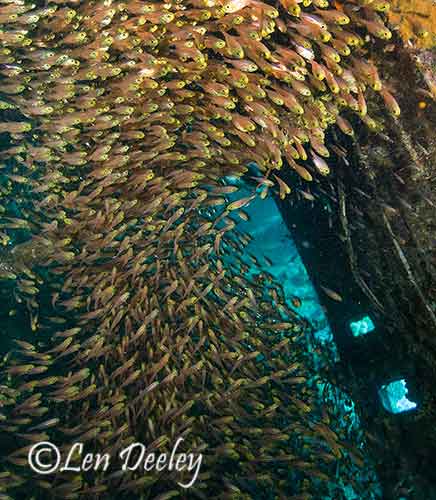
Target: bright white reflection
[362, 326]
[393, 397]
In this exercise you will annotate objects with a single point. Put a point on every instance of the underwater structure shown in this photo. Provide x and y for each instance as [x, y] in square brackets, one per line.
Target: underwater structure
[134, 310]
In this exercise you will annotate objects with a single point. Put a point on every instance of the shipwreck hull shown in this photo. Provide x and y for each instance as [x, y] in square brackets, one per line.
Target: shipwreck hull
[370, 236]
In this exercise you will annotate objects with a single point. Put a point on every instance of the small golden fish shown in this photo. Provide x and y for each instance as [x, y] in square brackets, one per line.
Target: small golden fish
[240, 203]
[331, 293]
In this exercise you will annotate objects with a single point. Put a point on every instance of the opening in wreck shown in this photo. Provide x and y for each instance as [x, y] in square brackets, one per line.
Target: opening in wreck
[277, 243]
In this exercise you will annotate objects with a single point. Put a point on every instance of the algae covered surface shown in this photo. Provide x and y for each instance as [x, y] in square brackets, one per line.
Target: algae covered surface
[416, 21]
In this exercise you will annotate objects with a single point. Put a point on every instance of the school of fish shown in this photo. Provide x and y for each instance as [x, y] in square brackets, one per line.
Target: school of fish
[119, 121]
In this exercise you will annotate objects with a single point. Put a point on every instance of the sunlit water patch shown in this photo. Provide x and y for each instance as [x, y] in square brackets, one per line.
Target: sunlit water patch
[394, 397]
[362, 326]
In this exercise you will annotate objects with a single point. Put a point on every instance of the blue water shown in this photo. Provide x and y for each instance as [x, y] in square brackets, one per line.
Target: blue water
[272, 239]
